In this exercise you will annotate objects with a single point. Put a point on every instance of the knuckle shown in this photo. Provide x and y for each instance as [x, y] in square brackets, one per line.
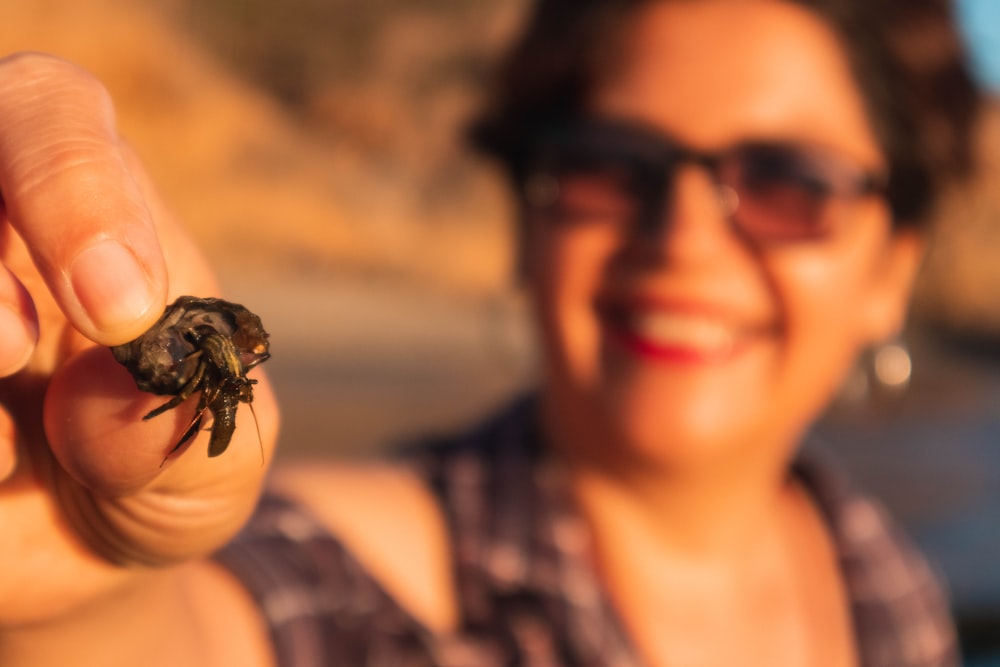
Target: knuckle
[26, 62]
[47, 77]
[58, 120]
[27, 65]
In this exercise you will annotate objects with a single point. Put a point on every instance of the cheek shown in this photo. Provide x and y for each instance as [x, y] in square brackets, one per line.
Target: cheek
[823, 305]
[566, 270]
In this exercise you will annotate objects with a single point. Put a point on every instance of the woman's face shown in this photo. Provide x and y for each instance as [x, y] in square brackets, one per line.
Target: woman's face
[693, 341]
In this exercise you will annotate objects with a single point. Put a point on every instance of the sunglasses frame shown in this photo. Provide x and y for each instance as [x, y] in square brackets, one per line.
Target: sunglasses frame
[653, 159]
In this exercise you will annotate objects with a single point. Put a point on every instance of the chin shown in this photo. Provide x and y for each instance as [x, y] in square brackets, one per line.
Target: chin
[666, 444]
[631, 429]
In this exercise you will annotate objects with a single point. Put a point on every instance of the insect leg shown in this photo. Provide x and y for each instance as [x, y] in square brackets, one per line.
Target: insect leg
[189, 433]
[259, 359]
[182, 395]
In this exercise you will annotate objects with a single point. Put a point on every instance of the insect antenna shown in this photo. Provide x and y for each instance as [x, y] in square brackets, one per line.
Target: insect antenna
[260, 440]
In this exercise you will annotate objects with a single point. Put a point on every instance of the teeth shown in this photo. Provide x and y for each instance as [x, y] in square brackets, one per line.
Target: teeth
[684, 330]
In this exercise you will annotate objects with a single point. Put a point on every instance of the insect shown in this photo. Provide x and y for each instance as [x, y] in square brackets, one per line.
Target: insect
[199, 345]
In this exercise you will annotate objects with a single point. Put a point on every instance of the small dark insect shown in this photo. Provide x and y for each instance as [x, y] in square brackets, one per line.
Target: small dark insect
[199, 345]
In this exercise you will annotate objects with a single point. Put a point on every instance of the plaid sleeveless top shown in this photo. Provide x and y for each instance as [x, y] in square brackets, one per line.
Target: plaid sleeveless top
[527, 595]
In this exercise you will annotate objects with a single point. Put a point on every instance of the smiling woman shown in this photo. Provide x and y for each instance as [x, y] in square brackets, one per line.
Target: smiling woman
[719, 213]
[699, 336]
[682, 365]
[721, 206]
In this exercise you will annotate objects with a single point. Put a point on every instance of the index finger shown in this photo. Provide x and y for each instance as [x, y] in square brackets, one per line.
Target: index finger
[70, 195]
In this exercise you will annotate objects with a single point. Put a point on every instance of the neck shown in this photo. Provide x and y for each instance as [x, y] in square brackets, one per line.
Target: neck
[696, 516]
[705, 510]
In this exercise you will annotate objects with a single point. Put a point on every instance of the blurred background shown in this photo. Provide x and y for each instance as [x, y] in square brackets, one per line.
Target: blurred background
[314, 149]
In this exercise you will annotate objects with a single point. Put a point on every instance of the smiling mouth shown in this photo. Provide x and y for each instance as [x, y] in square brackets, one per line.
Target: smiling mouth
[673, 335]
[672, 329]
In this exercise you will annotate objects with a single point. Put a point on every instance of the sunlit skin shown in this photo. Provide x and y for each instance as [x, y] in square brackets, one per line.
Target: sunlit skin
[683, 367]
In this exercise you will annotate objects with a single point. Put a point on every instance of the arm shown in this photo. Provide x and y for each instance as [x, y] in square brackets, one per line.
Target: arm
[101, 544]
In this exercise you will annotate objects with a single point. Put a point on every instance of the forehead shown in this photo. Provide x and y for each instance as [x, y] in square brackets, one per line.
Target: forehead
[714, 71]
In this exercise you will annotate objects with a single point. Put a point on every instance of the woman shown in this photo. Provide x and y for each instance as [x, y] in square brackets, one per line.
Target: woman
[721, 203]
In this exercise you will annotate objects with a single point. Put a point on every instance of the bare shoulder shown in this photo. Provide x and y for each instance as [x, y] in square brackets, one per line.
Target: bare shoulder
[391, 522]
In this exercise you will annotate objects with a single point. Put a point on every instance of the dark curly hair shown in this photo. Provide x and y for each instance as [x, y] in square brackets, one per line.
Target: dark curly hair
[906, 55]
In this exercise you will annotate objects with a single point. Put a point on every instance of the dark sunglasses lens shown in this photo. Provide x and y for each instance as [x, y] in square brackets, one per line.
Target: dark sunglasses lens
[783, 191]
[581, 184]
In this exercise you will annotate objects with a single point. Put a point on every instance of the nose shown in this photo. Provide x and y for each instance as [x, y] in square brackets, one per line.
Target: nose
[693, 222]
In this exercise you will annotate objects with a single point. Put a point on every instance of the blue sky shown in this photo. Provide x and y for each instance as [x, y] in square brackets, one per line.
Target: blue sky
[981, 19]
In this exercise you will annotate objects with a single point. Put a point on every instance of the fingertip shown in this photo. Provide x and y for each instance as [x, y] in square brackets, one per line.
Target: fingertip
[18, 324]
[19, 334]
[121, 295]
[8, 450]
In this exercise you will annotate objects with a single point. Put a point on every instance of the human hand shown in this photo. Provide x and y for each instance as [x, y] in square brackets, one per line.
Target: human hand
[90, 258]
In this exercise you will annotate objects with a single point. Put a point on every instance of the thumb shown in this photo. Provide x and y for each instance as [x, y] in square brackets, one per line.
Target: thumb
[70, 195]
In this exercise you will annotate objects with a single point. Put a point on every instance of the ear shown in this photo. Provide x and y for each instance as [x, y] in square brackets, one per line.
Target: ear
[888, 300]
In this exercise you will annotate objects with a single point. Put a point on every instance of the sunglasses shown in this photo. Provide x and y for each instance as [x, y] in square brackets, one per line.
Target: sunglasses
[601, 171]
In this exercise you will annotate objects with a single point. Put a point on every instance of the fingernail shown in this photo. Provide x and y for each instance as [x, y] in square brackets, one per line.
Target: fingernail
[110, 285]
[19, 340]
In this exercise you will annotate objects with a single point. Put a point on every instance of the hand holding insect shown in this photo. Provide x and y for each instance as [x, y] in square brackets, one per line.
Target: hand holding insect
[89, 257]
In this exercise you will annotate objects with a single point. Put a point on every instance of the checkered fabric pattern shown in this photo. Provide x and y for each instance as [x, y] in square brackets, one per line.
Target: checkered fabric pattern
[527, 595]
